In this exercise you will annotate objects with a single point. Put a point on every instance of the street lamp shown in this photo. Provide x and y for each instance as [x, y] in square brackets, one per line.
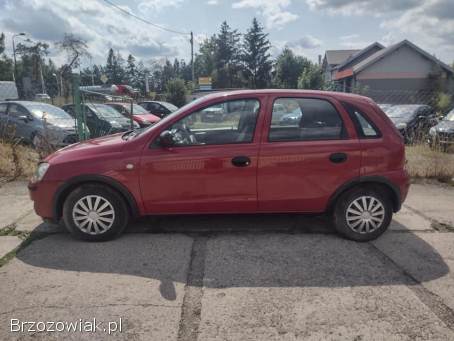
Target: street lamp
[14, 54]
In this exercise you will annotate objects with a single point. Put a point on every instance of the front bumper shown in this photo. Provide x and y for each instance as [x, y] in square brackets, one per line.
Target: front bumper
[42, 194]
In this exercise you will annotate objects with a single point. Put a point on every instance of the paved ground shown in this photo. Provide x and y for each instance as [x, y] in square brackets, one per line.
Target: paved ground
[236, 278]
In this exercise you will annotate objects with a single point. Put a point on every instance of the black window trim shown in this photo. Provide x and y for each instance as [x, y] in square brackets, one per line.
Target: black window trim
[155, 142]
[344, 133]
[357, 124]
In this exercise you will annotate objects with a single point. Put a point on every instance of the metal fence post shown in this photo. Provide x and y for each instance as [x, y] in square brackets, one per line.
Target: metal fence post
[131, 118]
[77, 107]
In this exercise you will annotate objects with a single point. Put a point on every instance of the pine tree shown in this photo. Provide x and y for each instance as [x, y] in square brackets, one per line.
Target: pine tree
[256, 57]
[227, 56]
[131, 71]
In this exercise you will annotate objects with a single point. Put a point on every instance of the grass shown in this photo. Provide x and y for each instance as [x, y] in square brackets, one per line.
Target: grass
[424, 162]
[17, 161]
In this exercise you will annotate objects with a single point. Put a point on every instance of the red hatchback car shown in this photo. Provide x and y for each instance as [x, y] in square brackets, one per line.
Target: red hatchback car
[140, 115]
[340, 155]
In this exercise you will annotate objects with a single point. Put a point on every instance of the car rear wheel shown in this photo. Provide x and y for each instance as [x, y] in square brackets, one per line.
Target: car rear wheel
[95, 213]
[363, 214]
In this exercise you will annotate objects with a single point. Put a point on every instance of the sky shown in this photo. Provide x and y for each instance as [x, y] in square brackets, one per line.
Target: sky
[308, 27]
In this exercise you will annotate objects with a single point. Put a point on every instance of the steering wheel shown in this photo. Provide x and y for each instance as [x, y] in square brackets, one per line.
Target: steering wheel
[183, 135]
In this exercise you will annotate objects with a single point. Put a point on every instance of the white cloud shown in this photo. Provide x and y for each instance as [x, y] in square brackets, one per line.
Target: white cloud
[274, 11]
[157, 5]
[102, 26]
[213, 2]
[358, 7]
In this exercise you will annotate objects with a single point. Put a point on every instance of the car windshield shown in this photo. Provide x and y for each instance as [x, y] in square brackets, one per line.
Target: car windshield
[450, 116]
[50, 112]
[105, 111]
[138, 110]
[169, 106]
[402, 111]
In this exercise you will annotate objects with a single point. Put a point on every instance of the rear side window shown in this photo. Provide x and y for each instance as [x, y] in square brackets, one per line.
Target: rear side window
[305, 119]
[364, 126]
[3, 107]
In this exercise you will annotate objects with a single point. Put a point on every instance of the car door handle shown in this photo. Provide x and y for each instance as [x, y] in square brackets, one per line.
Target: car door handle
[241, 161]
[338, 157]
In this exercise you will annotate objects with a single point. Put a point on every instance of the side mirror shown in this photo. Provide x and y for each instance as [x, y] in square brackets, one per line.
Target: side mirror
[166, 139]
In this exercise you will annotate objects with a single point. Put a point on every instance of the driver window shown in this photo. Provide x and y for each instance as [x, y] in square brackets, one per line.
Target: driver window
[222, 123]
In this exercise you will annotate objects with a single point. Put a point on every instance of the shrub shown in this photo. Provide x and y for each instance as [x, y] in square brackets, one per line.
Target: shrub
[176, 92]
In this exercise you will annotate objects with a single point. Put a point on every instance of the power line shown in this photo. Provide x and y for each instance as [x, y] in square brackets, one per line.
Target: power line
[144, 20]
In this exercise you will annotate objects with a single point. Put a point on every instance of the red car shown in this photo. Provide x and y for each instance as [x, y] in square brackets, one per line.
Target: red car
[343, 157]
[139, 114]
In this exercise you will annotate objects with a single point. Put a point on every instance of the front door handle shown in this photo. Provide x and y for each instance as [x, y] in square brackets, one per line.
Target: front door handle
[338, 157]
[241, 161]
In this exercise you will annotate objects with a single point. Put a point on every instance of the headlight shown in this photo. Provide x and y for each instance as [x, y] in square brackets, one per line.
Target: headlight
[40, 172]
[432, 131]
[146, 122]
[401, 125]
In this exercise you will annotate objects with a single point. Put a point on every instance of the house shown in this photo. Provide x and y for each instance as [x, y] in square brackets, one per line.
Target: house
[333, 59]
[402, 66]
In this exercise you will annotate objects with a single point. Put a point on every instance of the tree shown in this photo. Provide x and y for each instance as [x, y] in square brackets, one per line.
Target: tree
[131, 70]
[311, 77]
[176, 92]
[288, 69]
[204, 63]
[114, 67]
[74, 47]
[256, 57]
[227, 57]
[6, 64]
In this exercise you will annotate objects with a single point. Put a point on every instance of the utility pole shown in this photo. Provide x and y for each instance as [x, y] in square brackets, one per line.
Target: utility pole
[192, 58]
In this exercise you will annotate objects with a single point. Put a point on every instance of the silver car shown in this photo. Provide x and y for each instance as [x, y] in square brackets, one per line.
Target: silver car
[37, 123]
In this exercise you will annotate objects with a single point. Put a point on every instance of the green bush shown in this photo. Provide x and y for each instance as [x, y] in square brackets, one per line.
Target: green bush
[176, 92]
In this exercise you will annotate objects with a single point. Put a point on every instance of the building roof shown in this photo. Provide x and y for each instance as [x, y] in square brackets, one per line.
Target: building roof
[351, 60]
[387, 51]
[336, 57]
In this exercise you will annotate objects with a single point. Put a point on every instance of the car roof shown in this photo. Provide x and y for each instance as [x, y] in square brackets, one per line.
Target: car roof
[25, 103]
[286, 93]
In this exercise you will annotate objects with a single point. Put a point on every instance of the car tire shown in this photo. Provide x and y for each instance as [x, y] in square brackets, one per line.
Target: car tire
[95, 213]
[363, 213]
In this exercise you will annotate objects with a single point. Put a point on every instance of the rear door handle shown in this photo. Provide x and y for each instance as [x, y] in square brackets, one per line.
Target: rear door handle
[338, 157]
[241, 161]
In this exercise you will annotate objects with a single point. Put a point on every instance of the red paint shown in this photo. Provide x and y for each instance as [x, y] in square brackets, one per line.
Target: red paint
[282, 177]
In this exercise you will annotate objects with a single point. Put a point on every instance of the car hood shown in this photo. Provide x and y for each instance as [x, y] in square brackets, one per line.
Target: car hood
[149, 117]
[445, 126]
[397, 120]
[86, 149]
[66, 124]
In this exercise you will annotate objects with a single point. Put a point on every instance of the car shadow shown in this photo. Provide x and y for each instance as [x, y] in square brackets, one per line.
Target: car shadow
[242, 251]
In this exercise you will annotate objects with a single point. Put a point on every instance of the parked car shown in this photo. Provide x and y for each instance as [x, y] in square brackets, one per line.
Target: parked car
[443, 133]
[412, 120]
[384, 106]
[292, 118]
[158, 108]
[42, 97]
[37, 123]
[140, 115]
[251, 165]
[213, 114]
[101, 119]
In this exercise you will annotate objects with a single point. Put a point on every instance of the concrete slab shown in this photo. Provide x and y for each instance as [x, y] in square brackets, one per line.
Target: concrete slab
[428, 257]
[309, 287]
[408, 220]
[29, 222]
[8, 244]
[434, 201]
[15, 202]
[139, 278]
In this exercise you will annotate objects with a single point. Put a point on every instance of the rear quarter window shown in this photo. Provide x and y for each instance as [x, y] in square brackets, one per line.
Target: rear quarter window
[364, 126]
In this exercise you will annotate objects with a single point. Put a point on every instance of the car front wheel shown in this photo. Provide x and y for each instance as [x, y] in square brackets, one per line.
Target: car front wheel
[95, 213]
[363, 214]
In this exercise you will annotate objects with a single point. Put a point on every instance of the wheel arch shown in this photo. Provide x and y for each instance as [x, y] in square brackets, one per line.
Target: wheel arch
[377, 181]
[64, 190]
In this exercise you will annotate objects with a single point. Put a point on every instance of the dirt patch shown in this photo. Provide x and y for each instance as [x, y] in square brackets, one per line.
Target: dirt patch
[17, 161]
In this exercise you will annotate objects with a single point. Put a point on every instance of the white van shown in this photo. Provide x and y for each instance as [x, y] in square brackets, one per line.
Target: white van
[8, 90]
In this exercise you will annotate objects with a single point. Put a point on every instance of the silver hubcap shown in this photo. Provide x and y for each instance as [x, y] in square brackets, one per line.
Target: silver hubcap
[93, 214]
[365, 214]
